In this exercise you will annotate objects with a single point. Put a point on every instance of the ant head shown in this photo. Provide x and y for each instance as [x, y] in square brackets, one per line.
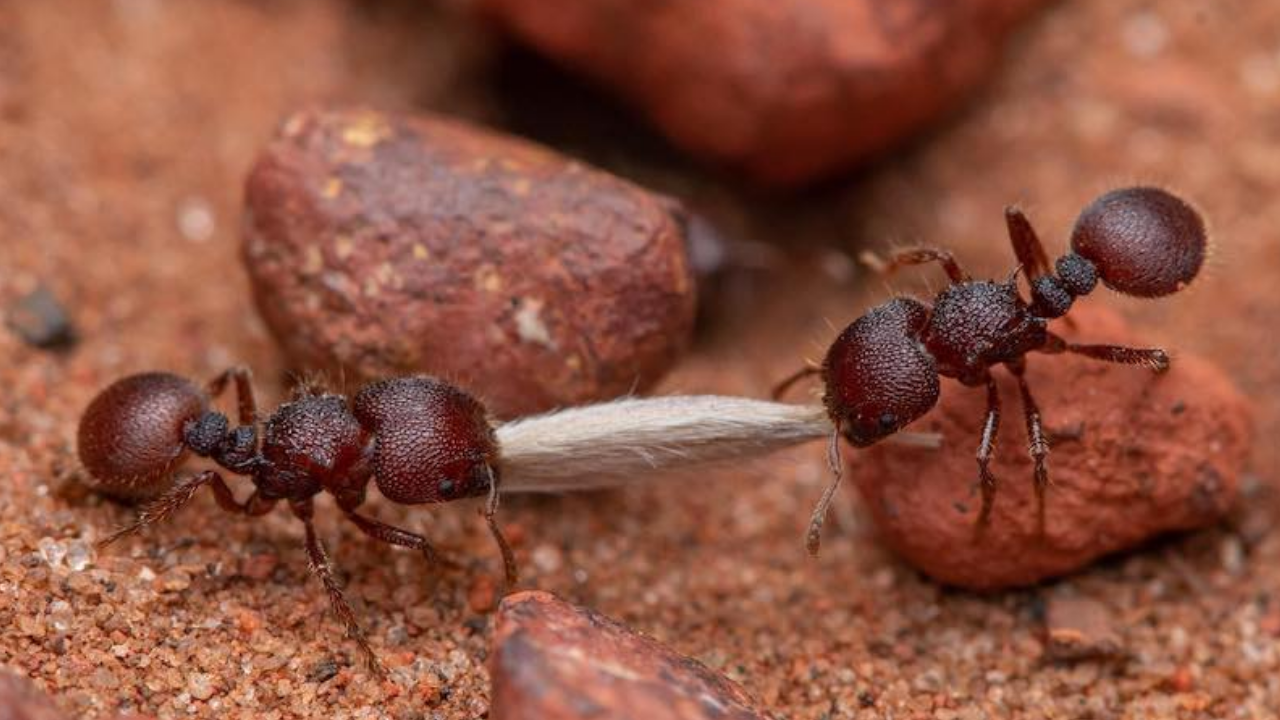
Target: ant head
[434, 441]
[878, 376]
[308, 443]
[131, 437]
[1143, 241]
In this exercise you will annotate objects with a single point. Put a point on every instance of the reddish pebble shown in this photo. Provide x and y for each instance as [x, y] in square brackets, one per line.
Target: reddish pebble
[1079, 628]
[787, 91]
[557, 660]
[382, 245]
[1134, 455]
[482, 595]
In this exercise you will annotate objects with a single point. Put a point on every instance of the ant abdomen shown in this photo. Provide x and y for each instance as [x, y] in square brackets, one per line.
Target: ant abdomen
[877, 375]
[1144, 241]
[433, 441]
[131, 436]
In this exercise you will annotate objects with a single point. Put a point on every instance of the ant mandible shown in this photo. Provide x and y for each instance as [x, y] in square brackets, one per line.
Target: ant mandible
[420, 439]
[882, 372]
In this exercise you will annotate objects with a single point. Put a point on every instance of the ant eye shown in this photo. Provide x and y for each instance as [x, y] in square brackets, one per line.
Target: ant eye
[888, 421]
[446, 488]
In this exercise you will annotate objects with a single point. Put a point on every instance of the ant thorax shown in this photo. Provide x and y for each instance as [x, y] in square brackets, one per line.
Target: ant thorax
[977, 324]
[311, 444]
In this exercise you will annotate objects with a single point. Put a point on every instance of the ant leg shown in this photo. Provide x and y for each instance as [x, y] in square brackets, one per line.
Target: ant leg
[813, 539]
[246, 404]
[916, 256]
[1026, 244]
[792, 379]
[323, 569]
[990, 429]
[180, 494]
[393, 535]
[490, 512]
[1155, 359]
[254, 506]
[1037, 443]
[165, 505]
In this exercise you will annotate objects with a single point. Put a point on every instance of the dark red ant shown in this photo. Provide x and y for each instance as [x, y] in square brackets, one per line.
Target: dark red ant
[420, 439]
[882, 372]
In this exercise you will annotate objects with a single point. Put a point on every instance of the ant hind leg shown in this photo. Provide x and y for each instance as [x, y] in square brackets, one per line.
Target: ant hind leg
[1154, 359]
[246, 404]
[1026, 243]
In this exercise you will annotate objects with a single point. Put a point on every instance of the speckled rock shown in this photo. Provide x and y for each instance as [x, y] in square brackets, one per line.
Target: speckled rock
[1134, 455]
[786, 91]
[382, 245]
[557, 660]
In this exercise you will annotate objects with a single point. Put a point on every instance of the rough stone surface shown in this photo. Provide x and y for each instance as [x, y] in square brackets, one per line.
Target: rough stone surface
[787, 91]
[381, 245]
[1134, 455]
[557, 660]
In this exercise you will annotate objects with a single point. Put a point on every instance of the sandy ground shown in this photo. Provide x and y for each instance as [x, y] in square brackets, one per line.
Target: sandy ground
[126, 128]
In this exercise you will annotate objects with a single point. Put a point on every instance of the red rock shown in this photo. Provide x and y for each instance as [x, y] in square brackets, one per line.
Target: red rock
[1154, 454]
[557, 660]
[788, 90]
[382, 245]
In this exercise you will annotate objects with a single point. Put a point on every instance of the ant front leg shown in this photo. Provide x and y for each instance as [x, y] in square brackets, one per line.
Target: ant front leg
[490, 518]
[323, 569]
[1026, 244]
[917, 256]
[1155, 359]
[1037, 442]
[246, 404]
[170, 502]
[813, 539]
[393, 535]
[786, 383]
[990, 430]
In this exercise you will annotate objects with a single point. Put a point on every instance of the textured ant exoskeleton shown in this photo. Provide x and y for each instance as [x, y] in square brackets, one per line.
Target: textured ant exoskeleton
[883, 371]
[419, 439]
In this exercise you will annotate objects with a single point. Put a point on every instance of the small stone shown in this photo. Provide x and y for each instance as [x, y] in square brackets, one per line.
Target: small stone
[40, 320]
[324, 670]
[174, 580]
[200, 685]
[259, 566]
[569, 284]
[79, 555]
[1080, 628]
[482, 595]
[51, 551]
[552, 659]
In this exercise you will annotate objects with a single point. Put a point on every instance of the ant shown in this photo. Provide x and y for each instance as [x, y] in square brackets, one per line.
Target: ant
[882, 372]
[420, 439]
